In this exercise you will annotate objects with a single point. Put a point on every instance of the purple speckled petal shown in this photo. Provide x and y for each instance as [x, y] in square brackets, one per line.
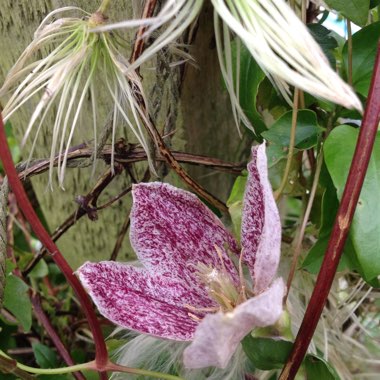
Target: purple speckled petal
[218, 335]
[133, 298]
[261, 225]
[172, 231]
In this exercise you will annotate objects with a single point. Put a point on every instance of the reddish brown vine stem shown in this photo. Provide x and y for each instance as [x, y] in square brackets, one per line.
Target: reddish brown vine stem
[341, 226]
[44, 237]
[139, 45]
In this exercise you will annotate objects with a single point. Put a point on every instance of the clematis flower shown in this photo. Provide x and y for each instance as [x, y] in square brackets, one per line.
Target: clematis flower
[191, 285]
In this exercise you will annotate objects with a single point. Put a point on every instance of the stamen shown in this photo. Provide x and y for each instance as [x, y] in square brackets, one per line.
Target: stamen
[194, 317]
[220, 254]
[202, 309]
[242, 295]
[225, 302]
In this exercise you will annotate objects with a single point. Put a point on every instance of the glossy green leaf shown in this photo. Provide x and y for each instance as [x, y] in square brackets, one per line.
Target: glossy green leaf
[364, 47]
[307, 131]
[16, 300]
[266, 353]
[318, 369]
[355, 10]
[365, 229]
[45, 356]
[329, 207]
[251, 76]
[314, 258]
[326, 41]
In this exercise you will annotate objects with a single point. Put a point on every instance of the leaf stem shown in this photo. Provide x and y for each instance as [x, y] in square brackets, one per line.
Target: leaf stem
[8, 365]
[92, 366]
[349, 45]
[301, 232]
[289, 160]
[341, 226]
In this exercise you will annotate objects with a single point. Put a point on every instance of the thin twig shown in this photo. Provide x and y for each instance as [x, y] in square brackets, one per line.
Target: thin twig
[341, 226]
[128, 155]
[305, 219]
[120, 238]
[45, 321]
[87, 206]
[139, 44]
[152, 129]
[289, 160]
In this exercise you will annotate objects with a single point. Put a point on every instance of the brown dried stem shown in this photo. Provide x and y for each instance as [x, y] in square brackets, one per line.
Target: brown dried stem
[128, 155]
[152, 129]
[10, 366]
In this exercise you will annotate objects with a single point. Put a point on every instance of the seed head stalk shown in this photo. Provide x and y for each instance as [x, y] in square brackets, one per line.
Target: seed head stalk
[103, 7]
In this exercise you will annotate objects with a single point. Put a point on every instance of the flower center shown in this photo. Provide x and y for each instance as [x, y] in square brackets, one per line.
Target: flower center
[220, 287]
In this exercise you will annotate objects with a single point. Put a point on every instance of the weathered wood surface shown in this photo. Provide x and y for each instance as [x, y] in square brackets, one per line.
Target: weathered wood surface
[204, 126]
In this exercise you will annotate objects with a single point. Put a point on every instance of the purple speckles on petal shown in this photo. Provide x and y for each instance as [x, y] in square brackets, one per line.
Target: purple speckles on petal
[133, 298]
[261, 226]
[172, 230]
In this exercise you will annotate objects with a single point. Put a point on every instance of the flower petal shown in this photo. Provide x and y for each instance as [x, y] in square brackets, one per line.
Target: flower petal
[172, 231]
[261, 225]
[218, 335]
[132, 298]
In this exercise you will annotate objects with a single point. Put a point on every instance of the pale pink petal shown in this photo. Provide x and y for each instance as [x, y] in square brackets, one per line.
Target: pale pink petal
[172, 231]
[261, 225]
[133, 298]
[218, 335]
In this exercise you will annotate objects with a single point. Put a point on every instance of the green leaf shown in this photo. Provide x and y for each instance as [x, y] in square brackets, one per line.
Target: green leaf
[317, 369]
[326, 41]
[251, 76]
[45, 356]
[266, 353]
[329, 208]
[364, 47]
[355, 10]
[16, 300]
[40, 270]
[235, 202]
[238, 189]
[365, 230]
[314, 258]
[307, 131]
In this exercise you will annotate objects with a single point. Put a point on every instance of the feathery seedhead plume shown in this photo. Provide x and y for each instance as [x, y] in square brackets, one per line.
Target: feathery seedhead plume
[282, 46]
[274, 35]
[74, 59]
